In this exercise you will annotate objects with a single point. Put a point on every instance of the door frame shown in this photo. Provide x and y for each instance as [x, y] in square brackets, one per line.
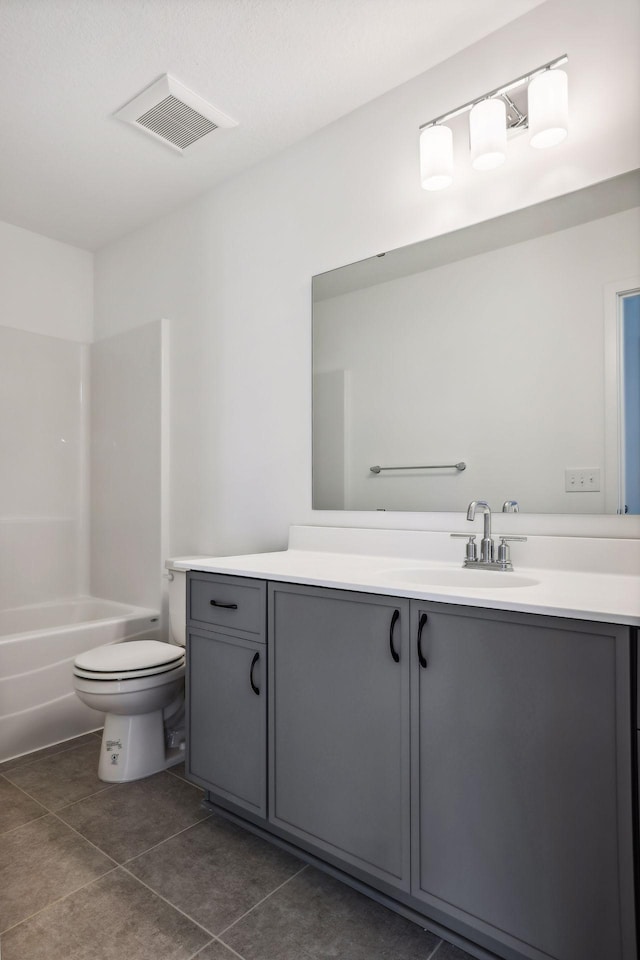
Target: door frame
[614, 471]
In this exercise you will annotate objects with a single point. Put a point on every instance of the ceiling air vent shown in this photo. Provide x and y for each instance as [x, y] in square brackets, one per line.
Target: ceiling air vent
[173, 114]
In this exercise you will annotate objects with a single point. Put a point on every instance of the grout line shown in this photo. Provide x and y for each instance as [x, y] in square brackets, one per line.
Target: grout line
[72, 746]
[227, 947]
[189, 783]
[59, 900]
[86, 840]
[5, 833]
[66, 805]
[251, 909]
[195, 955]
[160, 842]
[430, 957]
[27, 794]
[178, 777]
[168, 902]
[72, 803]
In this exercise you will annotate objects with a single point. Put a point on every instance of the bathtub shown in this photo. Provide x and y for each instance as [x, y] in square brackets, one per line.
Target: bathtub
[38, 706]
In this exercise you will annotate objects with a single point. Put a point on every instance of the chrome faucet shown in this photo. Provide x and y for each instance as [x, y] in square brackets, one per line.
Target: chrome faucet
[486, 544]
[487, 560]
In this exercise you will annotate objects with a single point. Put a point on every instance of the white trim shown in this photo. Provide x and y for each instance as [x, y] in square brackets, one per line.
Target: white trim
[83, 508]
[165, 461]
[613, 406]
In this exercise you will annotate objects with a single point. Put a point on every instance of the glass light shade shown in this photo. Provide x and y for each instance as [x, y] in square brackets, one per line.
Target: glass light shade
[436, 157]
[548, 108]
[488, 134]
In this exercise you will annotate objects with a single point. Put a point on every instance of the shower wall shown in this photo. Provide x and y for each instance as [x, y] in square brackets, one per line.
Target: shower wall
[127, 456]
[83, 469]
[43, 530]
[46, 320]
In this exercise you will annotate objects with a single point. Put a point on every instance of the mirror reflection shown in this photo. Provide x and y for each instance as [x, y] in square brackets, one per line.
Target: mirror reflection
[507, 347]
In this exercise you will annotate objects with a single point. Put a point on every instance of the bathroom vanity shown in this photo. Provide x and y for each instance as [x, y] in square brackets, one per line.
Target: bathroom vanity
[465, 753]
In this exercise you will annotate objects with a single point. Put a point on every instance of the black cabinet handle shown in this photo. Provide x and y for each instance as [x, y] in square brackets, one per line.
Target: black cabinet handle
[394, 620]
[255, 689]
[227, 606]
[421, 657]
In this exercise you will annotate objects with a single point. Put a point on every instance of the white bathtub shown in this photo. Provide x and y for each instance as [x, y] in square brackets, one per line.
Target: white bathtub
[38, 706]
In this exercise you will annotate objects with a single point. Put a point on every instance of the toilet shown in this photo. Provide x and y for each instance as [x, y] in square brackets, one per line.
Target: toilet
[139, 686]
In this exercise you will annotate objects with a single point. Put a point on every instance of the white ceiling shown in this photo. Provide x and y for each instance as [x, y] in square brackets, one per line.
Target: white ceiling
[281, 68]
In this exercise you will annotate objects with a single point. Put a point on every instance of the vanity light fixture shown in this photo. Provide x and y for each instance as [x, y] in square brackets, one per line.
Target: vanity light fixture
[492, 116]
[548, 109]
[436, 157]
[488, 134]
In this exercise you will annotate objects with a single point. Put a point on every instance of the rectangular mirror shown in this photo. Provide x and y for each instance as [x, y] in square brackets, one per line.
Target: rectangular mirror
[486, 363]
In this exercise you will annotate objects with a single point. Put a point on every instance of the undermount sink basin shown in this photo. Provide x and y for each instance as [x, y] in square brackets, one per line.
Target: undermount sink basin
[460, 577]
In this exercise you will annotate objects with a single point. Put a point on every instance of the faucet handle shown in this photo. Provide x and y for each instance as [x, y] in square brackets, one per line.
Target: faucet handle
[503, 550]
[505, 539]
[471, 552]
[511, 506]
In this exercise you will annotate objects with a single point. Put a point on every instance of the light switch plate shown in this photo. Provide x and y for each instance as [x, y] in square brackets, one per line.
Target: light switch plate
[582, 480]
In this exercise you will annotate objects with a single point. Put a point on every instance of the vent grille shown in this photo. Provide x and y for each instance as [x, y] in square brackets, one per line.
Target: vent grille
[174, 121]
[173, 114]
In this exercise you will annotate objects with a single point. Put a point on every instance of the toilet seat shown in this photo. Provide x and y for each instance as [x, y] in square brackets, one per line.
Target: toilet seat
[111, 685]
[129, 660]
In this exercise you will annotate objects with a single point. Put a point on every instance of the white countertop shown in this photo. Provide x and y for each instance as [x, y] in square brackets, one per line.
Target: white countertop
[591, 579]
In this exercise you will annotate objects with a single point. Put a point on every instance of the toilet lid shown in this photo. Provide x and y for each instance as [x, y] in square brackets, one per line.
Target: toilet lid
[130, 656]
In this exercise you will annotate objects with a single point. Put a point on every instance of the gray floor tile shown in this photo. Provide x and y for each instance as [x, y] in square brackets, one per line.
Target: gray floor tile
[16, 807]
[36, 755]
[115, 918]
[317, 917]
[215, 871]
[62, 899]
[41, 862]
[128, 818]
[447, 951]
[63, 778]
[217, 951]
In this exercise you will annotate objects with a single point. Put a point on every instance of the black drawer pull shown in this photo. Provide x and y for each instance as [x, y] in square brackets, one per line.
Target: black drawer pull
[255, 689]
[421, 657]
[227, 606]
[394, 620]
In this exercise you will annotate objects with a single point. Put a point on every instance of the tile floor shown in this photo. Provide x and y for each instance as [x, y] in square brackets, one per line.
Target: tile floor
[139, 871]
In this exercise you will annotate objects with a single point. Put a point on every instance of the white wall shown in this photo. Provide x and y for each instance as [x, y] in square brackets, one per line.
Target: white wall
[496, 360]
[46, 312]
[233, 270]
[46, 286]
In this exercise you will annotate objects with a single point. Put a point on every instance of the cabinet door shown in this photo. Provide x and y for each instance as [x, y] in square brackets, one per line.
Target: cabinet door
[521, 759]
[339, 774]
[226, 710]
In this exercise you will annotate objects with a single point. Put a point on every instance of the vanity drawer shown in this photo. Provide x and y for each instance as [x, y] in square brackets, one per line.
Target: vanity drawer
[237, 604]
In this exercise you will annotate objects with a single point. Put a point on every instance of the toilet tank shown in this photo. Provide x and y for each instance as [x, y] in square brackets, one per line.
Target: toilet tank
[177, 606]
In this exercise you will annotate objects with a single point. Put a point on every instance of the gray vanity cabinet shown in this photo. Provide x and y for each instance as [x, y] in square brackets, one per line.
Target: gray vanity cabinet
[227, 691]
[521, 787]
[339, 727]
[474, 766]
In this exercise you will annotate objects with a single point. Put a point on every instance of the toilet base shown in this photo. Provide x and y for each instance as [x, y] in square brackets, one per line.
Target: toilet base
[133, 747]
